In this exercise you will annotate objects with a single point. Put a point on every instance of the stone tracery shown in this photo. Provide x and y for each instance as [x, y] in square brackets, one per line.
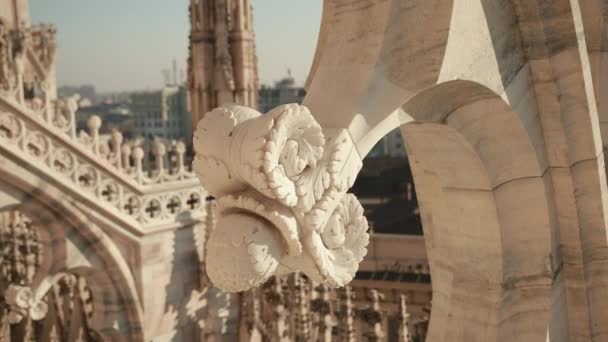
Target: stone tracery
[59, 306]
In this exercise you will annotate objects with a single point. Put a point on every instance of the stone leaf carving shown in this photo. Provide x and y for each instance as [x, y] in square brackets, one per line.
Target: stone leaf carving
[23, 302]
[281, 182]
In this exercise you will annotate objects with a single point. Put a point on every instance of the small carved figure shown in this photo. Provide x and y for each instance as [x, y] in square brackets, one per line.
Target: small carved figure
[51, 38]
[5, 57]
[47, 44]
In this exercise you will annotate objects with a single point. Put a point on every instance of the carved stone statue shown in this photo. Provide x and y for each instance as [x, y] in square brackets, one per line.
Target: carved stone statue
[5, 57]
[280, 183]
[49, 37]
[23, 38]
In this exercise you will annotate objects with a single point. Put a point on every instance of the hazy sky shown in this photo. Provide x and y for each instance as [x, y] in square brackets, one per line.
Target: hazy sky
[124, 44]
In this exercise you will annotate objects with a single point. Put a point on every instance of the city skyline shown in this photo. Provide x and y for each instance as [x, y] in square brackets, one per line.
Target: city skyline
[102, 52]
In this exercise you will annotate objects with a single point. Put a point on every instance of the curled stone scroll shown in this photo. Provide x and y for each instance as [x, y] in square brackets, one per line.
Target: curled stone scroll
[280, 181]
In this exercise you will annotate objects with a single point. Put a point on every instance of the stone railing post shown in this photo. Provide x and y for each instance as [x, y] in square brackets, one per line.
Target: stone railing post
[279, 326]
[322, 306]
[403, 315]
[373, 317]
[72, 107]
[117, 140]
[138, 156]
[346, 314]
[159, 150]
[180, 150]
[94, 123]
[301, 312]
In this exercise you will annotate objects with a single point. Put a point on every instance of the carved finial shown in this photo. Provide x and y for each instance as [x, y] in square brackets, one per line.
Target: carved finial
[322, 306]
[180, 150]
[94, 123]
[126, 154]
[252, 311]
[346, 315]
[138, 153]
[138, 156]
[180, 147]
[117, 140]
[404, 334]
[71, 105]
[373, 316]
[302, 321]
[283, 174]
[159, 150]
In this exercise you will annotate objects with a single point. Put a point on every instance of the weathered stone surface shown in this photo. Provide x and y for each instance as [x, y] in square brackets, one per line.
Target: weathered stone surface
[501, 107]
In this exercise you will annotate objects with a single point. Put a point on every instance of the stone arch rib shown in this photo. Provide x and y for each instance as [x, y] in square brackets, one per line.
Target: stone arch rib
[485, 212]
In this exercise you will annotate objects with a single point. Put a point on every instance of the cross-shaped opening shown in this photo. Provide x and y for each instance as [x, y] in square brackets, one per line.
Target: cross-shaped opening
[109, 192]
[153, 209]
[85, 180]
[194, 201]
[5, 132]
[35, 150]
[59, 165]
[174, 205]
[132, 206]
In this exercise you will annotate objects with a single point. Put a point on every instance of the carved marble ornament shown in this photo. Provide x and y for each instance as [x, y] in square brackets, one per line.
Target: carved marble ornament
[23, 302]
[280, 182]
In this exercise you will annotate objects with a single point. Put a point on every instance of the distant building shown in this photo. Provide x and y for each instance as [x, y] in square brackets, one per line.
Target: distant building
[284, 91]
[115, 97]
[162, 114]
[390, 146]
[85, 103]
[113, 116]
[385, 188]
[85, 92]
